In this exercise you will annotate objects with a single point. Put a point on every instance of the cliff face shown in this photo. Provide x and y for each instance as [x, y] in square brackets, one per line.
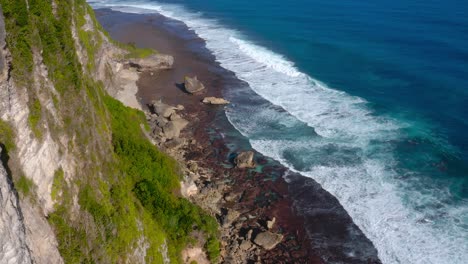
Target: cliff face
[67, 184]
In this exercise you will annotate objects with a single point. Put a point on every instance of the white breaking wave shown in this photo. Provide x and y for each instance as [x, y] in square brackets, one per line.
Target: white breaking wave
[365, 189]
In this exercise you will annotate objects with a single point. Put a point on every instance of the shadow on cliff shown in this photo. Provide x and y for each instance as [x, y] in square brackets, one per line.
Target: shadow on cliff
[4, 157]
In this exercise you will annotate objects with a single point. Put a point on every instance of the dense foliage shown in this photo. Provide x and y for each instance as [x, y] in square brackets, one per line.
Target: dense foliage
[155, 180]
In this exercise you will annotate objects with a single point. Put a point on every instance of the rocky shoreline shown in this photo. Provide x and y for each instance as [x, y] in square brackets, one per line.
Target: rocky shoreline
[263, 218]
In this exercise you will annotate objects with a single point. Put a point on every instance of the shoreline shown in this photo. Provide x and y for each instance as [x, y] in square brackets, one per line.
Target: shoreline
[305, 213]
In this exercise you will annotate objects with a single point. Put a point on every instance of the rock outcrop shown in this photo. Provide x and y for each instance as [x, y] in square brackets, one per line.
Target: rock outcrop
[268, 240]
[215, 101]
[245, 160]
[152, 63]
[193, 85]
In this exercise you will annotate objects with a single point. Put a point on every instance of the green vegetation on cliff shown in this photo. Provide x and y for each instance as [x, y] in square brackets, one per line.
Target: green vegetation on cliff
[7, 136]
[121, 199]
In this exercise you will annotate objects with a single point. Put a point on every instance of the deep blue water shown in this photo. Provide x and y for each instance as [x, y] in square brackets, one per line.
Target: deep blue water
[369, 98]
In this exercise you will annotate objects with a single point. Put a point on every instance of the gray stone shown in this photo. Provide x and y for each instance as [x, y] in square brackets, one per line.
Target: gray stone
[162, 109]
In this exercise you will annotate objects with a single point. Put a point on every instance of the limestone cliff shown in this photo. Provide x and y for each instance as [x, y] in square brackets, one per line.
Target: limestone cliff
[66, 182]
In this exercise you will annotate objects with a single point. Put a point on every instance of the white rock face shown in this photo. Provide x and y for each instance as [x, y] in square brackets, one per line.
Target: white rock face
[13, 247]
[26, 236]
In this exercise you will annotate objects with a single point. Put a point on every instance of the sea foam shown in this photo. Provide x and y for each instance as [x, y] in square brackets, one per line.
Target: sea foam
[347, 148]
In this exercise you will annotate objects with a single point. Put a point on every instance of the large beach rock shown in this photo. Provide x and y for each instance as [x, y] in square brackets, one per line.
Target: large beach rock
[245, 160]
[215, 101]
[268, 240]
[193, 85]
[153, 62]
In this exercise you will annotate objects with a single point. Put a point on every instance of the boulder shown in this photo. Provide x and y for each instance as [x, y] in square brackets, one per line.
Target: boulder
[172, 128]
[151, 63]
[268, 240]
[193, 85]
[215, 101]
[162, 109]
[245, 160]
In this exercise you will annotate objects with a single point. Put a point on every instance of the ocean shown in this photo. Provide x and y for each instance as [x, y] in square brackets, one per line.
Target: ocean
[368, 98]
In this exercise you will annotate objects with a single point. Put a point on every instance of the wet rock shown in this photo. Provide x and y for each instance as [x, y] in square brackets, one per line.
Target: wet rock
[245, 160]
[268, 240]
[215, 101]
[193, 85]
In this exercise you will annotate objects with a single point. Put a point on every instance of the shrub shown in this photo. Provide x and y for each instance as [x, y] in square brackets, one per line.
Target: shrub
[7, 136]
[24, 185]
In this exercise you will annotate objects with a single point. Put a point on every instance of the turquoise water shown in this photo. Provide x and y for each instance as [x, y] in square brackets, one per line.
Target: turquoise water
[369, 98]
